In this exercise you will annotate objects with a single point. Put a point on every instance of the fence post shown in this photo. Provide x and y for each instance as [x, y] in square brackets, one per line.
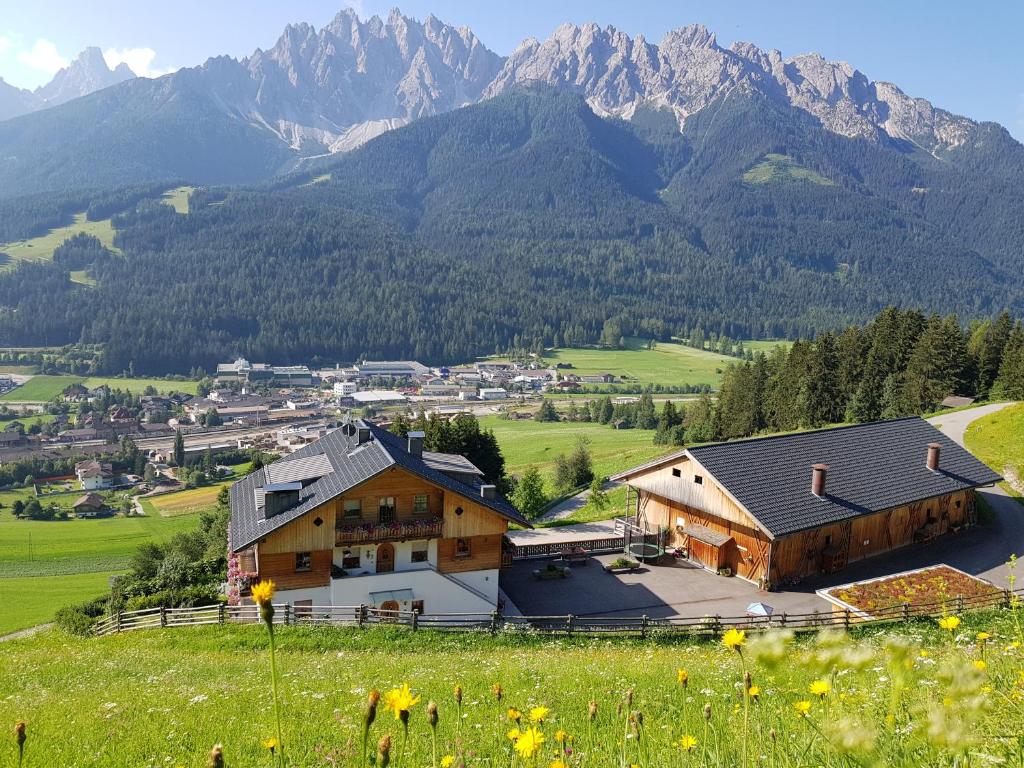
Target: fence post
[959, 603]
[568, 624]
[118, 625]
[643, 626]
[415, 620]
[782, 622]
[163, 615]
[1007, 600]
[846, 618]
[718, 624]
[494, 622]
[906, 611]
[360, 615]
[221, 612]
[287, 612]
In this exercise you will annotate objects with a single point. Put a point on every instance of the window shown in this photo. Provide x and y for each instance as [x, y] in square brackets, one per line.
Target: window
[463, 548]
[417, 605]
[386, 509]
[421, 504]
[419, 552]
[698, 479]
[350, 559]
[677, 472]
[318, 522]
[303, 561]
[353, 509]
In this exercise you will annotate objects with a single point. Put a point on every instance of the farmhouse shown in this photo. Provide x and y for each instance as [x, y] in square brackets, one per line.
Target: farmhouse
[89, 505]
[93, 474]
[362, 517]
[774, 510]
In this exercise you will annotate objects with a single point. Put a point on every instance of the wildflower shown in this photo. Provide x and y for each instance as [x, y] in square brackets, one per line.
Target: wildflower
[949, 623]
[432, 720]
[19, 737]
[458, 695]
[262, 595]
[271, 744]
[558, 764]
[982, 637]
[687, 743]
[682, 677]
[707, 711]
[819, 688]
[980, 665]
[754, 691]
[368, 717]
[384, 751]
[400, 701]
[496, 690]
[539, 714]
[447, 761]
[561, 736]
[529, 742]
[734, 639]
[513, 734]
[592, 711]
[803, 708]
[514, 714]
[216, 757]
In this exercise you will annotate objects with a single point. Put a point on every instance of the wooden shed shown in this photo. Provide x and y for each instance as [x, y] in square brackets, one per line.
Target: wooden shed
[777, 509]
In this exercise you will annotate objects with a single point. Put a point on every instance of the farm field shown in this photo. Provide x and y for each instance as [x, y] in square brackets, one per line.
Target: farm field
[534, 443]
[824, 698]
[32, 600]
[178, 198]
[41, 248]
[174, 505]
[42, 388]
[998, 440]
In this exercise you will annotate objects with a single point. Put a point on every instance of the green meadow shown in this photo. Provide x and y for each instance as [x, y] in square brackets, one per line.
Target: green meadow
[998, 440]
[41, 248]
[178, 198]
[43, 388]
[907, 696]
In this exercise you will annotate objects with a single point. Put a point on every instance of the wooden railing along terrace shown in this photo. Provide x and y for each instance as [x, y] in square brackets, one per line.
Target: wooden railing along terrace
[640, 626]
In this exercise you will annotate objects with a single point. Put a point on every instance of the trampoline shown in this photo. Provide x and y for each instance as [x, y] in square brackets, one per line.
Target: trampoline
[644, 552]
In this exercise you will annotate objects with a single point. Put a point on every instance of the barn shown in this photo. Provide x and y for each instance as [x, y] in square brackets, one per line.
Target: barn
[775, 510]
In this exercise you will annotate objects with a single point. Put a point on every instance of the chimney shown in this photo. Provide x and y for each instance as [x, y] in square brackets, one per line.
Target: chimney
[362, 435]
[488, 491]
[932, 461]
[416, 443]
[818, 472]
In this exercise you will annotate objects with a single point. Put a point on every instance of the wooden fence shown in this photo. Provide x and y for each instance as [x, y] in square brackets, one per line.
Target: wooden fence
[639, 626]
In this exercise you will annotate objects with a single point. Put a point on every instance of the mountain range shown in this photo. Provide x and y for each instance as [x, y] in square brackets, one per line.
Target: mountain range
[324, 91]
[87, 74]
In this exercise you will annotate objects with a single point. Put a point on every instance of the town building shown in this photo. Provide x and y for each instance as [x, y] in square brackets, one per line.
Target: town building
[241, 371]
[363, 517]
[774, 510]
[93, 474]
[90, 505]
[345, 388]
[377, 397]
[493, 393]
[391, 369]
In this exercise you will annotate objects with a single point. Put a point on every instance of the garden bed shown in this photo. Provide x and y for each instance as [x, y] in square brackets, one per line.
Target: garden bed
[933, 590]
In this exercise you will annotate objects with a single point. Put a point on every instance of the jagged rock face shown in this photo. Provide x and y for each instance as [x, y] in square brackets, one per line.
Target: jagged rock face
[86, 74]
[353, 79]
[687, 70]
[16, 101]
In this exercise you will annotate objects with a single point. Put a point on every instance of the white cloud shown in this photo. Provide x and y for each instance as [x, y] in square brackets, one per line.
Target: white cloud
[139, 59]
[5, 44]
[44, 57]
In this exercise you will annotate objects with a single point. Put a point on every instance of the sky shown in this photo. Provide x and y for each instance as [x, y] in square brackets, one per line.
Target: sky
[964, 57]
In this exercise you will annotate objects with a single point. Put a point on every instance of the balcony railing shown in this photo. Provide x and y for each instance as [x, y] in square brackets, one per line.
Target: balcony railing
[399, 530]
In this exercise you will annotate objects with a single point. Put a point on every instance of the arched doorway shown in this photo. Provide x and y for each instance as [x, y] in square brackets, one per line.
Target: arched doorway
[386, 558]
[388, 611]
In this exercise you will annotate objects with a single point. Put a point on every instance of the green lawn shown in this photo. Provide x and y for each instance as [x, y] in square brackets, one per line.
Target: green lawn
[28, 421]
[138, 385]
[41, 388]
[41, 248]
[30, 601]
[164, 697]
[533, 443]
[998, 440]
[178, 198]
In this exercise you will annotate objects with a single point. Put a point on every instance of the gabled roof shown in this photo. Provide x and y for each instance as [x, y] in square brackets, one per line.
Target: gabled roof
[351, 464]
[871, 467]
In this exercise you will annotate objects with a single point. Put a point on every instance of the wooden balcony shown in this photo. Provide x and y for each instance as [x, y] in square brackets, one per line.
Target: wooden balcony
[399, 530]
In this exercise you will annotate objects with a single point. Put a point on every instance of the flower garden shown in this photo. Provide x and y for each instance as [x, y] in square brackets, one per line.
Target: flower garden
[920, 589]
[927, 693]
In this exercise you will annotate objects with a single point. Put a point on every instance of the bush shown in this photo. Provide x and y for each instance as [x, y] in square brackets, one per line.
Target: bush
[190, 597]
[78, 619]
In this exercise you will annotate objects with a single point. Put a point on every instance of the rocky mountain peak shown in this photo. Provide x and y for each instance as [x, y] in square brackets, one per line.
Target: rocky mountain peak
[86, 74]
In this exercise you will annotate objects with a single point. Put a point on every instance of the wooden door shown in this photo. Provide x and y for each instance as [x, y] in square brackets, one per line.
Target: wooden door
[386, 558]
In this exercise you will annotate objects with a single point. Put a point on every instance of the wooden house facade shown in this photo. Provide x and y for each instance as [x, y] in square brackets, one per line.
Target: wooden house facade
[778, 509]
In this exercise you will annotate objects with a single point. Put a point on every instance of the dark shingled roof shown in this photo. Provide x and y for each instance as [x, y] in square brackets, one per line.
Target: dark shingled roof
[352, 465]
[871, 467]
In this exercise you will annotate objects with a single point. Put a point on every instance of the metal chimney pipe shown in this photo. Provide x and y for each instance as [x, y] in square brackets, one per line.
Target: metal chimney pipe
[932, 461]
[818, 472]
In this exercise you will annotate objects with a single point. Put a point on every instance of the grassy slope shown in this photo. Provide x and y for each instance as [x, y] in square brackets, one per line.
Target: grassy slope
[669, 364]
[44, 387]
[32, 600]
[178, 198]
[186, 689]
[138, 386]
[41, 248]
[775, 168]
[998, 440]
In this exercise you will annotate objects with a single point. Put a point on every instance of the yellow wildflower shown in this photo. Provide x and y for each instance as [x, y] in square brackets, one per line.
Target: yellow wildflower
[400, 700]
[734, 638]
[682, 677]
[561, 736]
[558, 764]
[514, 714]
[447, 761]
[539, 714]
[923, 653]
[803, 708]
[514, 734]
[819, 688]
[529, 742]
[983, 636]
[754, 691]
[272, 744]
[949, 623]
[687, 743]
[980, 665]
[263, 592]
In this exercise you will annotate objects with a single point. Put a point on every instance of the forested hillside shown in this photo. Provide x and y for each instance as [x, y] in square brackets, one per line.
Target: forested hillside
[528, 216]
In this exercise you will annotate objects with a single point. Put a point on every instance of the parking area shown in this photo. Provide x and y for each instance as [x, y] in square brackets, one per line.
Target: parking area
[658, 591]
